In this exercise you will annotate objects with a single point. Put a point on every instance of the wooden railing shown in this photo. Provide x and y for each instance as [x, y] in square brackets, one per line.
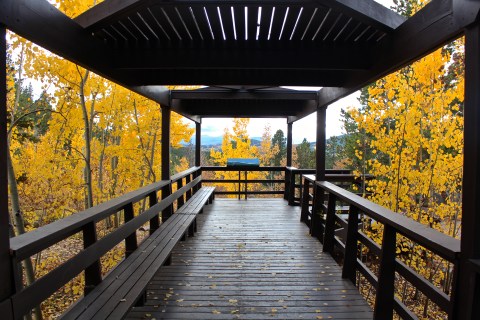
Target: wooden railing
[325, 222]
[294, 182]
[86, 223]
[243, 182]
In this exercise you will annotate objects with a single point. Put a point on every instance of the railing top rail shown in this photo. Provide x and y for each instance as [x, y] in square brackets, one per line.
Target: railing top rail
[309, 177]
[50, 234]
[242, 168]
[183, 174]
[441, 244]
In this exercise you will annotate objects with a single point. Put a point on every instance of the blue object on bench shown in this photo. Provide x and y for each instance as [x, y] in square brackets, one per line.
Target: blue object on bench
[239, 162]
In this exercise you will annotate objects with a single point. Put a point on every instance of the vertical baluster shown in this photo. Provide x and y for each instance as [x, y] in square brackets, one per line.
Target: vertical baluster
[189, 191]
[167, 213]
[93, 274]
[291, 195]
[246, 187]
[305, 201]
[180, 200]
[286, 184]
[155, 221]
[315, 227]
[329, 236]
[131, 240]
[386, 275]
[350, 261]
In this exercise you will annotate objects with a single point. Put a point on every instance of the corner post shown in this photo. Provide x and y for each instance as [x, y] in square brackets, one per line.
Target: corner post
[467, 287]
[6, 272]
[167, 190]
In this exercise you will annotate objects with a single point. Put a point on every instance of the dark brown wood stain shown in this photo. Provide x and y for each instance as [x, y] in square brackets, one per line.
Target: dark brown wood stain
[251, 260]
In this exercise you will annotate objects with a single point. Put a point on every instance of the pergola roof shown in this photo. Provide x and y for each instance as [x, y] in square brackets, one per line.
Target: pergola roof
[340, 45]
[321, 43]
[238, 101]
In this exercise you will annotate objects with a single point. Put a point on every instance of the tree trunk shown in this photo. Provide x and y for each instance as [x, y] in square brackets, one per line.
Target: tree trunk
[87, 172]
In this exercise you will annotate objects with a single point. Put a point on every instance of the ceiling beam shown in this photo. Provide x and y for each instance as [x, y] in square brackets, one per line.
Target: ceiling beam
[222, 56]
[368, 12]
[274, 77]
[43, 24]
[222, 94]
[432, 27]
[241, 108]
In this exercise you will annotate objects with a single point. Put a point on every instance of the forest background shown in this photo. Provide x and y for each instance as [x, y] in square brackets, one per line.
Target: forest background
[86, 140]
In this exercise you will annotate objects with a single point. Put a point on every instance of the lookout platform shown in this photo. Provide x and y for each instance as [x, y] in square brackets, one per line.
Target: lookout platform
[251, 260]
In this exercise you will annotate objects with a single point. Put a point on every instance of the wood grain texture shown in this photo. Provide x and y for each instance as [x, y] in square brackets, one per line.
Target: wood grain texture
[251, 260]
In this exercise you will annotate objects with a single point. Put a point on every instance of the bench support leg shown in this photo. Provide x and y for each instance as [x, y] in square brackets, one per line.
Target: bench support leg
[184, 237]
[141, 300]
[168, 261]
[191, 229]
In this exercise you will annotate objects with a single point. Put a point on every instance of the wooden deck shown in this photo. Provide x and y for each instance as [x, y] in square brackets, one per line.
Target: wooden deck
[251, 260]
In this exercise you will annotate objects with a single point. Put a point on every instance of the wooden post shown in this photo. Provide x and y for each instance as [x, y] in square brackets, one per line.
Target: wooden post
[329, 236]
[386, 275]
[131, 241]
[289, 144]
[321, 143]
[155, 221]
[6, 272]
[286, 194]
[93, 273]
[466, 293]
[198, 143]
[350, 261]
[166, 191]
[305, 201]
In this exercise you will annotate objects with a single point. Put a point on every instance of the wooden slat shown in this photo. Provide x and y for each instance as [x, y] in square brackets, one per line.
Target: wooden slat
[247, 262]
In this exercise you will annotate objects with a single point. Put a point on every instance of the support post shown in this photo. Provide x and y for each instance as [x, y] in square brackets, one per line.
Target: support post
[386, 275]
[6, 272]
[467, 289]
[289, 144]
[167, 190]
[198, 143]
[321, 143]
[286, 194]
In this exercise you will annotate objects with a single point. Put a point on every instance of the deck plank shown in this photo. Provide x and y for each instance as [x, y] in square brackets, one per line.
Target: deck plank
[251, 260]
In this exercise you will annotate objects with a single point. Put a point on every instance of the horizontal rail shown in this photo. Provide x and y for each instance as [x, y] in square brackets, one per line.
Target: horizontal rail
[242, 181]
[243, 168]
[393, 223]
[249, 192]
[30, 243]
[439, 243]
[183, 174]
[88, 259]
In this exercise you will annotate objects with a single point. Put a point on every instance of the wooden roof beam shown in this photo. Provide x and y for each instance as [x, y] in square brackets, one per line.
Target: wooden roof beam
[369, 12]
[436, 24]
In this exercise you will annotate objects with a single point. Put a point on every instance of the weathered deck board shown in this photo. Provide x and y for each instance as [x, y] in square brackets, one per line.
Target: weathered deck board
[251, 260]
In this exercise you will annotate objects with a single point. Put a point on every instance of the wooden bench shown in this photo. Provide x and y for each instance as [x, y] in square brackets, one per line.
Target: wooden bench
[124, 287]
[195, 204]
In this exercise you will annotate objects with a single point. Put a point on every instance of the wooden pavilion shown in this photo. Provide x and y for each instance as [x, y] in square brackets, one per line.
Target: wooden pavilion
[245, 50]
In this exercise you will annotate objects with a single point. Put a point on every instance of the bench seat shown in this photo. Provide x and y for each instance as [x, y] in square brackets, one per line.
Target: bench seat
[125, 285]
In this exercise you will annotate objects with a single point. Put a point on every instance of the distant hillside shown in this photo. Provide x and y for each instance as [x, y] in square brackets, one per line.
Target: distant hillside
[215, 141]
